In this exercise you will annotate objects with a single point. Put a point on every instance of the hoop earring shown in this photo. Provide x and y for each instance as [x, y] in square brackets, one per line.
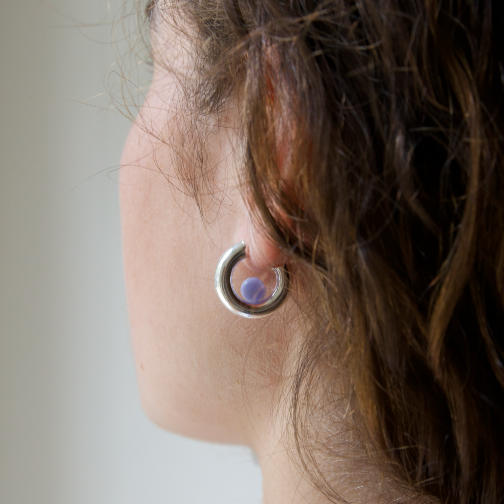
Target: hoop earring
[231, 301]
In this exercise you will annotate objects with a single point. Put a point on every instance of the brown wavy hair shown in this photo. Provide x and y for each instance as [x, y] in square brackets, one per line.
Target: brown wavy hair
[374, 156]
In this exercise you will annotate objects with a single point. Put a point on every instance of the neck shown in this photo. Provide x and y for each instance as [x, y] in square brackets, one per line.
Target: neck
[335, 459]
[284, 482]
[348, 470]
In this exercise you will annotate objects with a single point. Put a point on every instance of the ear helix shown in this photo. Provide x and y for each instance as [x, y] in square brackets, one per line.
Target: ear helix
[253, 302]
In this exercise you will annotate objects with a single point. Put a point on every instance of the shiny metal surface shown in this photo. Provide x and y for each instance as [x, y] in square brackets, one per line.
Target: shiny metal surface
[226, 294]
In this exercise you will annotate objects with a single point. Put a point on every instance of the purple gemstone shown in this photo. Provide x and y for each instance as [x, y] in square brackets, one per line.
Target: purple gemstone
[253, 290]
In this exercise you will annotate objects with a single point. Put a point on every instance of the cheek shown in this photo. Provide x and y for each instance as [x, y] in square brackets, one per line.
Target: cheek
[183, 339]
[154, 268]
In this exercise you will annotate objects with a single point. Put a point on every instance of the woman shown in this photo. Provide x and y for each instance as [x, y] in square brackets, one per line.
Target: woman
[357, 147]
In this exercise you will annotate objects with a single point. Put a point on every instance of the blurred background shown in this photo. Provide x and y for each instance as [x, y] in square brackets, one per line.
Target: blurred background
[71, 427]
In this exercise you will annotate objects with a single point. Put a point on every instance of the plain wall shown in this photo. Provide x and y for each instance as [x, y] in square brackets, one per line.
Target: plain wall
[71, 427]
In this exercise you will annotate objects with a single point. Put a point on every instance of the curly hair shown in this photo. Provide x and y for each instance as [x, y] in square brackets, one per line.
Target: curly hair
[374, 156]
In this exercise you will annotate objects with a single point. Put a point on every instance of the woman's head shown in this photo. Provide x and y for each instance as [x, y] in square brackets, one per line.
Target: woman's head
[361, 143]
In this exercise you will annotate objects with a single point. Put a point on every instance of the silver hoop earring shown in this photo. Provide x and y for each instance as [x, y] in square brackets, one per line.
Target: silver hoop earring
[226, 292]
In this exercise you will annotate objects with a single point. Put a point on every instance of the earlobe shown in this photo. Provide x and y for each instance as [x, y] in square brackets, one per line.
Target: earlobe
[262, 252]
[260, 284]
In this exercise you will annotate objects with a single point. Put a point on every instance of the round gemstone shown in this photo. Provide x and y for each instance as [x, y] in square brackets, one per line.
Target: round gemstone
[253, 290]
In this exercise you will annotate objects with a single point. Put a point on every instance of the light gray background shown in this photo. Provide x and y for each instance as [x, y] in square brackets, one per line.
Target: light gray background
[71, 427]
